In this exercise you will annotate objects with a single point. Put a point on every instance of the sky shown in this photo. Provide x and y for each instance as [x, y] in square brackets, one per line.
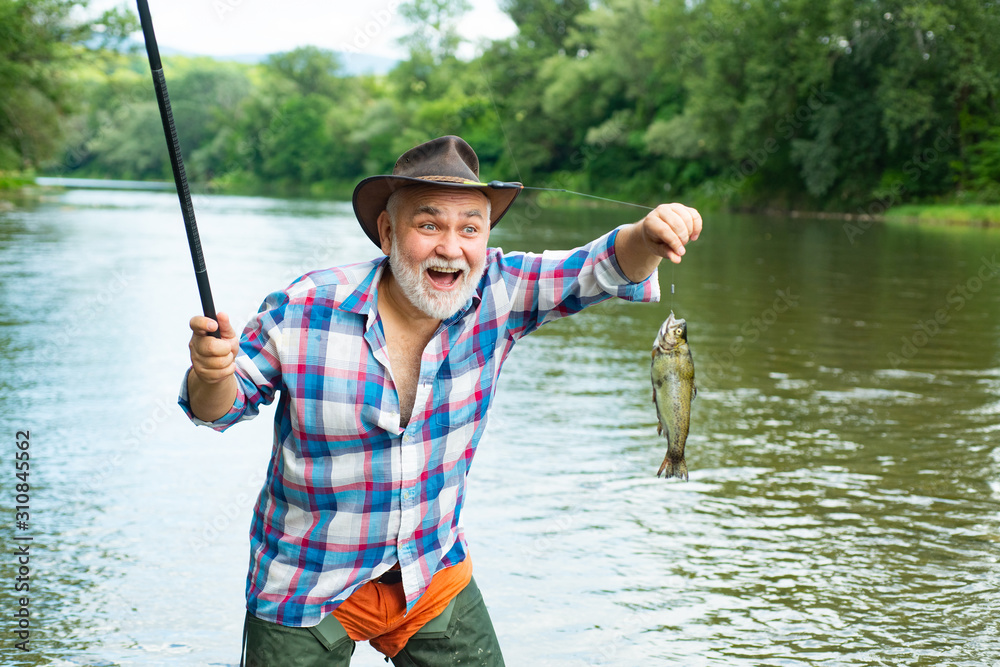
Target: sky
[240, 27]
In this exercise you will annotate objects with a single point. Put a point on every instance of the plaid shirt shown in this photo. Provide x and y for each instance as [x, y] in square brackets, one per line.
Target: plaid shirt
[349, 491]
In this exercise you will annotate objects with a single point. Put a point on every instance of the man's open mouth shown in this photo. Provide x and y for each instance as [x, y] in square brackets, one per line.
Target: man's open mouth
[444, 278]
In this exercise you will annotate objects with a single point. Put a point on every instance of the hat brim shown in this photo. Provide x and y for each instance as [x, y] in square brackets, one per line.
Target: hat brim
[372, 194]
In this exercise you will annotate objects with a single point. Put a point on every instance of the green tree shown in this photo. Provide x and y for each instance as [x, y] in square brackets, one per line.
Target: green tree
[309, 69]
[434, 24]
[544, 26]
[40, 43]
[539, 143]
[121, 133]
[748, 102]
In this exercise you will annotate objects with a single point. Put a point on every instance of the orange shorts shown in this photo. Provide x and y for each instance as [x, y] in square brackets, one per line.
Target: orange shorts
[376, 612]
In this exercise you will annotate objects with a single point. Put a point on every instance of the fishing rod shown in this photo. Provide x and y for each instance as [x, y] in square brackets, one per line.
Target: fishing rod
[177, 164]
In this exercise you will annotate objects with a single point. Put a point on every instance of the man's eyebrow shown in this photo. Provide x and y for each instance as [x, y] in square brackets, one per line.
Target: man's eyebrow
[433, 210]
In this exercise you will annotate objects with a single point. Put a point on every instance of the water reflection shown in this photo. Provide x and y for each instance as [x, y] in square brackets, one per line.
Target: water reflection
[844, 501]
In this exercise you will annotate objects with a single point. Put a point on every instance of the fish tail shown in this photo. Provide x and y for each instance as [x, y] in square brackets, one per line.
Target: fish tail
[677, 469]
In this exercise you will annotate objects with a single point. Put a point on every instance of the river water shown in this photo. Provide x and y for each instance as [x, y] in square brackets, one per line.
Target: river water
[843, 506]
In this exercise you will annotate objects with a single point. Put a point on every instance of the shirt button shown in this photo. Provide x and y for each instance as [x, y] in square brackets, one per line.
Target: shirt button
[408, 494]
[407, 438]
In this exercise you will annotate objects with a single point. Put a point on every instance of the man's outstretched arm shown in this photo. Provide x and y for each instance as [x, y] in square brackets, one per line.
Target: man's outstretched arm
[662, 233]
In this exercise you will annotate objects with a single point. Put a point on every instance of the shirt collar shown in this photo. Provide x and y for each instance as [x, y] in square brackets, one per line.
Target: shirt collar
[364, 297]
[477, 297]
[471, 304]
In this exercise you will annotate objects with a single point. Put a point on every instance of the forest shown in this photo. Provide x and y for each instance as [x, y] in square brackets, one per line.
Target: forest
[846, 105]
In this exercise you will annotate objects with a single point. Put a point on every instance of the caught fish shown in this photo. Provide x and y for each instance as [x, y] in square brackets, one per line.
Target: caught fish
[672, 373]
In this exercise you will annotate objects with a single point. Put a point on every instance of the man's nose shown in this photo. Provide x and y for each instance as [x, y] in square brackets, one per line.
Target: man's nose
[450, 245]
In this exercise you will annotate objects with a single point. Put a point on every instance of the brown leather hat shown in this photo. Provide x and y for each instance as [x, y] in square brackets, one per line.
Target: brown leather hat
[447, 161]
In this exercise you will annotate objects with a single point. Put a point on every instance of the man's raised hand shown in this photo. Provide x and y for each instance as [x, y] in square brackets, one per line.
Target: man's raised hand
[670, 227]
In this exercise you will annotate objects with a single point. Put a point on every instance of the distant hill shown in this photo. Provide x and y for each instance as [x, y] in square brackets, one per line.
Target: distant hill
[353, 63]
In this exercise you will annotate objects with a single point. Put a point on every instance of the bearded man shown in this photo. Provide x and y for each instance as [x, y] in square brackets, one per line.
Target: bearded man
[386, 370]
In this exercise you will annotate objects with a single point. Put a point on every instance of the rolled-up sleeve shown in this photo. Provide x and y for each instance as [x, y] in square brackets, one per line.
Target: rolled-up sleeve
[258, 366]
[225, 421]
[613, 280]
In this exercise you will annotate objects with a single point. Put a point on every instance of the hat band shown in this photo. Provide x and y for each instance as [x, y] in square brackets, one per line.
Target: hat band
[450, 179]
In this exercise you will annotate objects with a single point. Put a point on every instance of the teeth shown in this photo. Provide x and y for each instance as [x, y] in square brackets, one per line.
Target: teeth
[443, 269]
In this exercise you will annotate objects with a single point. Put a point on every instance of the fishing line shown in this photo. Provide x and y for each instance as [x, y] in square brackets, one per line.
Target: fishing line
[584, 194]
[673, 267]
[508, 185]
[616, 201]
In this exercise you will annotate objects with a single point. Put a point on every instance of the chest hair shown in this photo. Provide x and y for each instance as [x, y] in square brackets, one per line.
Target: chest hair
[405, 342]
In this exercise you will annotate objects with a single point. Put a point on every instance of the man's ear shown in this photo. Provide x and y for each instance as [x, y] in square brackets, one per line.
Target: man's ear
[384, 232]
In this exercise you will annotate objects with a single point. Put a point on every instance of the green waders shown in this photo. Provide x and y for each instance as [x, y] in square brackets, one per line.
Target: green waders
[462, 636]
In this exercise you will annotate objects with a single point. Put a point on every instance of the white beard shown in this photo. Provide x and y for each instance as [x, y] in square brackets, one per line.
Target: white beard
[414, 284]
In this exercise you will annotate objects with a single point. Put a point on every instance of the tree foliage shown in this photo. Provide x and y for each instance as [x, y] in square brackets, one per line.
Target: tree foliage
[839, 105]
[40, 47]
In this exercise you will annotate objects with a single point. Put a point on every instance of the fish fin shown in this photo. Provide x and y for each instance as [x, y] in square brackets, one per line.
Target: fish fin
[659, 423]
[676, 469]
[694, 391]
